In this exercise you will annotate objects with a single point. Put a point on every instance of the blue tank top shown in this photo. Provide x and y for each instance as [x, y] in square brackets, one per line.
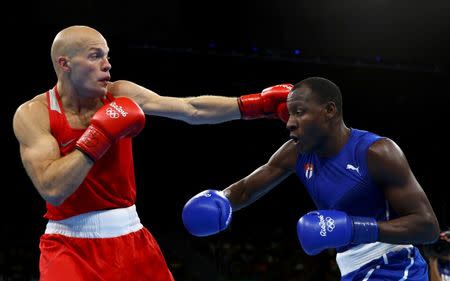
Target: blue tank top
[342, 182]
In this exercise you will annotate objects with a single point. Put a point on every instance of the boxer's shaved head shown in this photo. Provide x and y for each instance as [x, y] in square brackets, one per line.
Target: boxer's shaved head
[70, 41]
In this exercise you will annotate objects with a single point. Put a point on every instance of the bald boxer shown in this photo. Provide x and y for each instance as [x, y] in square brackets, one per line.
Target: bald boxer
[370, 206]
[76, 146]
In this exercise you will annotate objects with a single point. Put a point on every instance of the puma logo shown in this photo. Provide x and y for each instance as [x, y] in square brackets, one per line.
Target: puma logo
[353, 168]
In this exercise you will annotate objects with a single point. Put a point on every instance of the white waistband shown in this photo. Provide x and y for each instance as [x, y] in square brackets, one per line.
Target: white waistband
[358, 256]
[97, 224]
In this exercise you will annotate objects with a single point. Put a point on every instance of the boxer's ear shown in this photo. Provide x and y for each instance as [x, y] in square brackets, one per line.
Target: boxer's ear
[64, 63]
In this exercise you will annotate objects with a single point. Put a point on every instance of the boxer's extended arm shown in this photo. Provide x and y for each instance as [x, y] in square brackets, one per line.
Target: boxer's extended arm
[206, 109]
[54, 177]
[193, 110]
[249, 189]
[417, 222]
[210, 211]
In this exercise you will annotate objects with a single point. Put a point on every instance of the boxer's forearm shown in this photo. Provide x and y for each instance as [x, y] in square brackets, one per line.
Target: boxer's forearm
[411, 229]
[62, 177]
[212, 109]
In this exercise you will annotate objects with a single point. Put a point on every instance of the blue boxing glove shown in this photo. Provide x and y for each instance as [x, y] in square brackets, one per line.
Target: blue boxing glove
[323, 229]
[207, 213]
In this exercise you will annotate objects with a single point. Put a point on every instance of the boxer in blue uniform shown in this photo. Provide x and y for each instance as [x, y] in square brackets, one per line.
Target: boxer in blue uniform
[370, 206]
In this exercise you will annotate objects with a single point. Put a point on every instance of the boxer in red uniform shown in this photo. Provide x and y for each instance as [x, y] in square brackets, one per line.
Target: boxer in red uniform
[76, 146]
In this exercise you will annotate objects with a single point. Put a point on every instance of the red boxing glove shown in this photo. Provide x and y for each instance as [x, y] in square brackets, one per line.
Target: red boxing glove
[270, 103]
[283, 112]
[113, 121]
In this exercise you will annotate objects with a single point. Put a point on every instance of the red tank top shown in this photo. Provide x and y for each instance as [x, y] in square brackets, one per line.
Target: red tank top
[109, 184]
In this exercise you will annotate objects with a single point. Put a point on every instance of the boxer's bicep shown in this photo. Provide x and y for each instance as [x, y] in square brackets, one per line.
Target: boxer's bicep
[416, 222]
[38, 148]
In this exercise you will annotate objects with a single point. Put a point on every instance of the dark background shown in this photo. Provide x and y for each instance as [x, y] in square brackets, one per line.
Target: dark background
[390, 59]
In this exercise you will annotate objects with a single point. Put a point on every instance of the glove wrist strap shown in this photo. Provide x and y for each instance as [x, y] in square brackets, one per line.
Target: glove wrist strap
[94, 143]
[365, 230]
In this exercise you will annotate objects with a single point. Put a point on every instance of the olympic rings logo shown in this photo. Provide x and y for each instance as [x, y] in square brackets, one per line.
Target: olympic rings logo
[326, 224]
[112, 113]
[330, 224]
